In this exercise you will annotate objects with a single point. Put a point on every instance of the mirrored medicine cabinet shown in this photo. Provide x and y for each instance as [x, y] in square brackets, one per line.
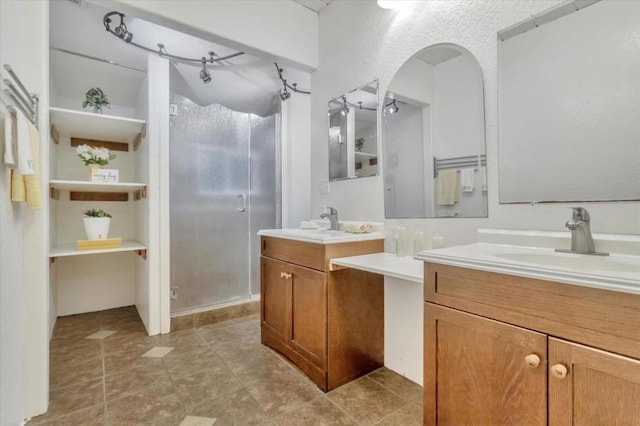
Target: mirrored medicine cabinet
[353, 133]
[569, 104]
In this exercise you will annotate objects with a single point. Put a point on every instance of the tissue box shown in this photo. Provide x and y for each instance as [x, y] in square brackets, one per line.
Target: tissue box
[105, 176]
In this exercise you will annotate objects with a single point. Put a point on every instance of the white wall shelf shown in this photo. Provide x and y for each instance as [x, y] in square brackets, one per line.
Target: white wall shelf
[88, 125]
[70, 249]
[84, 186]
[365, 155]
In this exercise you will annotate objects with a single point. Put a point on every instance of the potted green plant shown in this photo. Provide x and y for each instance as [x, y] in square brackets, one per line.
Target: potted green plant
[96, 224]
[96, 98]
[359, 144]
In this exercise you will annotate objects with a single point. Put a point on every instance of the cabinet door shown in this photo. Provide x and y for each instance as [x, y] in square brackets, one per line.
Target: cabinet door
[482, 372]
[274, 294]
[592, 387]
[308, 331]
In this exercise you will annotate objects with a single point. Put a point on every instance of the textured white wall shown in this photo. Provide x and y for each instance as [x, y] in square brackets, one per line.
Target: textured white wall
[360, 41]
[24, 356]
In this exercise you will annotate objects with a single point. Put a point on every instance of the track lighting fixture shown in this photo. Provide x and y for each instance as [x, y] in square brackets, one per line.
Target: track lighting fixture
[205, 75]
[345, 108]
[285, 94]
[392, 107]
[123, 34]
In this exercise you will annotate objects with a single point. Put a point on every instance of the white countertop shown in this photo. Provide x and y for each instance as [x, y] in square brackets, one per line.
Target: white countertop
[615, 272]
[320, 236]
[404, 268]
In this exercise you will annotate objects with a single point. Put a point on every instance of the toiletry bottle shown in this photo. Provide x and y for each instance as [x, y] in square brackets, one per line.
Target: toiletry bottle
[437, 241]
[401, 242]
[418, 242]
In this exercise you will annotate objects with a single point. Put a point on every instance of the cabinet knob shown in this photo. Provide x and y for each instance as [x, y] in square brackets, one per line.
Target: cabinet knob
[287, 275]
[532, 360]
[283, 274]
[559, 371]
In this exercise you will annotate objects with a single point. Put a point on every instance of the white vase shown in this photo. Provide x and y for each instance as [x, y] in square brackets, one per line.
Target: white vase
[97, 228]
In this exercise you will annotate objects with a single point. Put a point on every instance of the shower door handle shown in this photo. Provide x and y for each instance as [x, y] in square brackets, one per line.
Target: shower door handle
[242, 205]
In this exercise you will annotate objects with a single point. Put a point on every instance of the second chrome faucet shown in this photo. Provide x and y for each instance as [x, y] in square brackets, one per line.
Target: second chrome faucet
[581, 238]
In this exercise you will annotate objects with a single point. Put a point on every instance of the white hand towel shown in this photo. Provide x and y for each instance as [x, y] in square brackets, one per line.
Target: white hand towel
[482, 177]
[24, 164]
[447, 187]
[467, 180]
[10, 153]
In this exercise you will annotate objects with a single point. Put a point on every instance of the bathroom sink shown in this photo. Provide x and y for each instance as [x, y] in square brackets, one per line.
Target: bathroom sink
[322, 235]
[579, 262]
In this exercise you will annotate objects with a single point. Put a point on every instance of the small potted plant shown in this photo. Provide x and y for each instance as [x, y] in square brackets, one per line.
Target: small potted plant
[96, 98]
[359, 144]
[96, 224]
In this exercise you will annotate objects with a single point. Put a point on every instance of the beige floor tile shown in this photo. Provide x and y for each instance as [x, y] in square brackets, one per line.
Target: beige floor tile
[128, 341]
[319, 412]
[396, 383]
[69, 399]
[102, 334]
[259, 366]
[237, 408]
[157, 352]
[281, 393]
[61, 375]
[191, 363]
[366, 400]
[150, 406]
[202, 387]
[409, 415]
[136, 379]
[120, 361]
[197, 421]
[92, 416]
[64, 356]
[179, 338]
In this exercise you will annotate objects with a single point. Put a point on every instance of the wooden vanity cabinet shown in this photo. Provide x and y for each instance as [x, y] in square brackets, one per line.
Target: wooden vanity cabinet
[329, 323]
[503, 350]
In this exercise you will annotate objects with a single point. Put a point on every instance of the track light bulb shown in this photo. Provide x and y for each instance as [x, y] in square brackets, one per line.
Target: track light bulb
[205, 75]
[284, 95]
[393, 108]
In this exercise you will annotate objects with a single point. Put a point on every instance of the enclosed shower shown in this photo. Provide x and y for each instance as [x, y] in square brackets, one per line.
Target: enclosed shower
[224, 169]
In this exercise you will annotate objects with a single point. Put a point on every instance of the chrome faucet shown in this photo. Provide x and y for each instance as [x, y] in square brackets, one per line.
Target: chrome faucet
[581, 238]
[333, 218]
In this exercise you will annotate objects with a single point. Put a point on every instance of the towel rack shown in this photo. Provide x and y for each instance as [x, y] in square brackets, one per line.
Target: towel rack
[469, 161]
[20, 97]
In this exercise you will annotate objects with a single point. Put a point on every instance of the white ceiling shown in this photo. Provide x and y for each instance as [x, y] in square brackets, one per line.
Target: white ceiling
[315, 5]
[244, 83]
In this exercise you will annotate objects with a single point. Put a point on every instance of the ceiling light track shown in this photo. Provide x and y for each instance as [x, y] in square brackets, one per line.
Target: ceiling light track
[123, 34]
[284, 94]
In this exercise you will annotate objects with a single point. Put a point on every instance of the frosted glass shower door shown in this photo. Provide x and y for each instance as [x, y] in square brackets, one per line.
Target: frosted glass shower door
[210, 262]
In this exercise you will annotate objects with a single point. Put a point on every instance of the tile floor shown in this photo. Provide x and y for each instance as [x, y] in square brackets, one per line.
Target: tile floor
[105, 370]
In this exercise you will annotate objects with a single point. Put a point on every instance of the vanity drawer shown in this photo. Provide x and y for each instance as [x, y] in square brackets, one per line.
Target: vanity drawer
[605, 319]
[300, 253]
[313, 255]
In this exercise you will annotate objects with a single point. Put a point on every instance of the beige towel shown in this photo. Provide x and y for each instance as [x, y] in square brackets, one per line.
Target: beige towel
[27, 187]
[447, 187]
[358, 228]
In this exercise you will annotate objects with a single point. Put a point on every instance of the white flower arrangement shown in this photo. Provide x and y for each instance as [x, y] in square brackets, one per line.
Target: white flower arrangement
[94, 155]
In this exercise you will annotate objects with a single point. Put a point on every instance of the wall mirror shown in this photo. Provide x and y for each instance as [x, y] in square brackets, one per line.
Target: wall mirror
[353, 133]
[433, 136]
[569, 104]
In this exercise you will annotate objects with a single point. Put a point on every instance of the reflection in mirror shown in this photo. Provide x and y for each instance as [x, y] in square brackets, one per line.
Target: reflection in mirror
[433, 136]
[569, 104]
[353, 133]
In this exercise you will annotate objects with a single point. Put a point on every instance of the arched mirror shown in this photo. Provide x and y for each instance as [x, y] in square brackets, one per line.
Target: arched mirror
[433, 136]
